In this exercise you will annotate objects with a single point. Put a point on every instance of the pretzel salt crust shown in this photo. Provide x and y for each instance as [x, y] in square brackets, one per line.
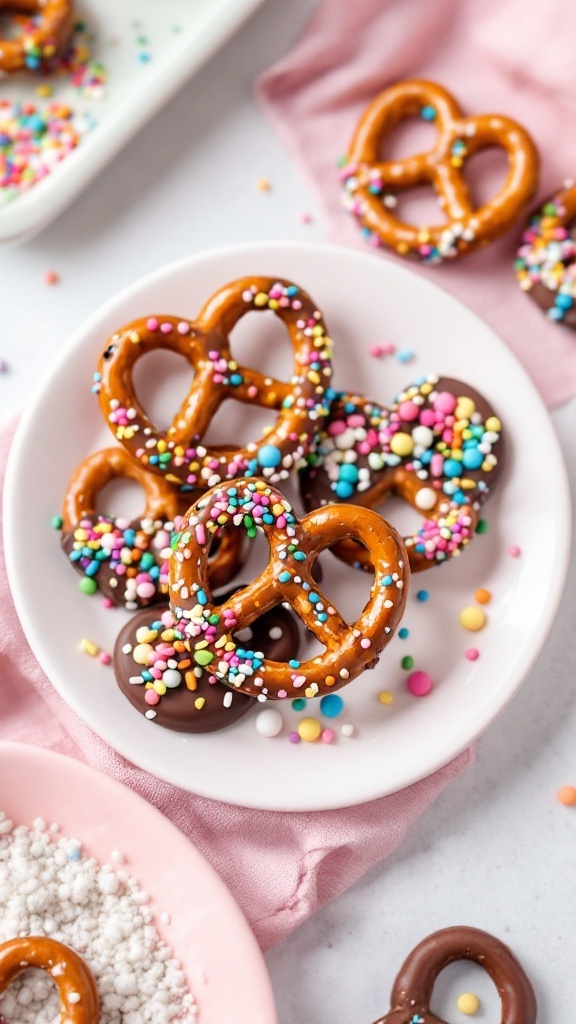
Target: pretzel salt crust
[546, 261]
[51, 25]
[294, 545]
[413, 987]
[79, 1003]
[127, 558]
[178, 453]
[372, 184]
[439, 448]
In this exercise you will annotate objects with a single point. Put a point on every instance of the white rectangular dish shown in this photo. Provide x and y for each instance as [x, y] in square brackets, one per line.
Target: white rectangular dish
[148, 49]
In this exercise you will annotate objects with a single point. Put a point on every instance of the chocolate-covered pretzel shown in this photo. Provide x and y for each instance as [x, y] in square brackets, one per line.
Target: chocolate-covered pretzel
[294, 546]
[372, 184]
[179, 453]
[44, 38]
[412, 990]
[546, 260]
[155, 669]
[79, 1003]
[439, 447]
[126, 559]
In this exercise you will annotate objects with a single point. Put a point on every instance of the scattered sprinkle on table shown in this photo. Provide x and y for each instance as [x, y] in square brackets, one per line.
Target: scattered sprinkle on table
[422, 595]
[331, 705]
[482, 526]
[472, 618]
[51, 277]
[482, 596]
[347, 729]
[304, 217]
[405, 355]
[387, 349]
[3, 366]
[385, 697]
[309, 729]
[269, 723]
[566, 795]
[468, 1003]
[472, 654]
[419, 684]
[407, 662]
[327, 735]
[89, 647]
[403, 633]
[514, 551]
[263, 185]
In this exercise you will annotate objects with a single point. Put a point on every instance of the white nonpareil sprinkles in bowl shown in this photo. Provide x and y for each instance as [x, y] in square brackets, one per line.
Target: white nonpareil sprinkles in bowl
[49, 887]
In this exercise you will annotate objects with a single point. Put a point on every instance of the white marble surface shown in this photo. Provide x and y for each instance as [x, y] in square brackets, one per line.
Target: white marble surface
[496, 850]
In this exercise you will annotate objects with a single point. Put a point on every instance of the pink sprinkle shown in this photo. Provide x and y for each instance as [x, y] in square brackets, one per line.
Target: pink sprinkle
[152, 324]
[151, 697]
[472, 654]
[183, 327]
[165, 328]
[200, 533]
[107, 603]
[304, 217]
[293, 737]
[419, 684]
[282, 694]
[445, 402]
[408, 411]
[365, 643]
[327, 736]
[514, 551]
[336, 427]
[104, 658]
[51, 277]
[252, 391]
[376, 350]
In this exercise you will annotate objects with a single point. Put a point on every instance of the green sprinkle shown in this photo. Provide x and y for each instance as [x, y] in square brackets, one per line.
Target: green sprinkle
[482, 526]
[88, 585]
[203, 657]
[299, 704]
[214, 620]
[57, 522]
[407, 662]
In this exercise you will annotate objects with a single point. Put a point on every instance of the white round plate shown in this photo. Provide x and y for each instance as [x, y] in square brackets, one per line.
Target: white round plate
[365, 300]
[204, 926]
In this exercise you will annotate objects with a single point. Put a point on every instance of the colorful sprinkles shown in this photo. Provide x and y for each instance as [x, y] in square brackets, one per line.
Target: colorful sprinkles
[546, 259]
[34, 141]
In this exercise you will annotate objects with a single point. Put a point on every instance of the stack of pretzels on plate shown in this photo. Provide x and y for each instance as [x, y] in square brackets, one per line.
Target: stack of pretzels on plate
[195, 662]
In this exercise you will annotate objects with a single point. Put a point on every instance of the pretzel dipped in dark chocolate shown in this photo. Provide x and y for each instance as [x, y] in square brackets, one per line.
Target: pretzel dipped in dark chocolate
[546, 260]
[414, 984]
[439, 447]
[253, 505]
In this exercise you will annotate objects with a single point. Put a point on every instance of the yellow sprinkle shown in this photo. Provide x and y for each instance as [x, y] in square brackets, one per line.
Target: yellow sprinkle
[167, 634]
[199, 703]
[263, 185]
[493, 423]
[465, 408]
[161, 446]
[468, 1003]
[424, 236]
[313, 376]
[222, 519]
[89, 647]
[145, 635]
[402, 248]
[44, 91]
[160, 687]
[273, 304]
[171, 478]
[456, 161]
[134, 337]
[385, 697]
[402, 444]
[309, 729]
[261, 299]
[80, 534]
[472, 618]
[426, 388]
[141, 653]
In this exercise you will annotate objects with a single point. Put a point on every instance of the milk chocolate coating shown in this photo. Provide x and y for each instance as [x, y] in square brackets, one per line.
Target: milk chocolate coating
[316, 486]
[176, 709]
[412, 989]
[529, 254]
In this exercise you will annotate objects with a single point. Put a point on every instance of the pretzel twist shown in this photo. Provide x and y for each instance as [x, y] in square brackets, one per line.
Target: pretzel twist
[43, 41]
[127, 558]
[178, 453]
[439, 448]
[414, 984]
[546, 260]
[79, 1002]
[372, 184]
[288, 577]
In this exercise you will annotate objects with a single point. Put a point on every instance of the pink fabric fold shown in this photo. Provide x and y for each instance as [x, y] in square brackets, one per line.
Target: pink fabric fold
[496, 56]
[321, 854]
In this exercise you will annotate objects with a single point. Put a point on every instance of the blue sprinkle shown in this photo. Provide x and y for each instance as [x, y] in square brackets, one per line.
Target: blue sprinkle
[405, 355]
[92, 569]
[313, 598]
[344, 489]
[422, 595]
[428, 113]
[284, 577]
[202, 599]
[300, 556]
[387, 581]
[269, 456]
[236, 379]
[331, 705]
[452, 468]
[403, 633]
[293, 663]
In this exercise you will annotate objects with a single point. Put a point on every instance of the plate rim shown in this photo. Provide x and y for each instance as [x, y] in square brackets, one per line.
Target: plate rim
[235, 917]
[462, 737]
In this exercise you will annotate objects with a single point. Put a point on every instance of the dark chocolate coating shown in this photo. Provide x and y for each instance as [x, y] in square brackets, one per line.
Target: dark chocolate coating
[316, 486]
[412, 989]
[176, 709]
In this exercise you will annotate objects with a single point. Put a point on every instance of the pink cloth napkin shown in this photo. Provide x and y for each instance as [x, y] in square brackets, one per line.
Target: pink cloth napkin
[496, 56]
[281, 867]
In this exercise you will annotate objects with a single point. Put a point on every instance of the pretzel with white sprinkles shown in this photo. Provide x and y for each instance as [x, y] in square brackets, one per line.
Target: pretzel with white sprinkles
[79, 1002]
